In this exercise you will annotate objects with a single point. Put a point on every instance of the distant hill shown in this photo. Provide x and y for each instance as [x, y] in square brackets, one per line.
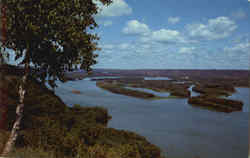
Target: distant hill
[177, 73]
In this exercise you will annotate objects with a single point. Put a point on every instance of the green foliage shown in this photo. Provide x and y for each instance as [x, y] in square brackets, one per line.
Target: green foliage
[120, 89]
[214, 89]
[216, 104]
[31, 153]
[49, 126]
[52, 34]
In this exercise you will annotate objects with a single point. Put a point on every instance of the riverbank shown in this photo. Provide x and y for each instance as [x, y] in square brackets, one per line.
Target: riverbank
[178, 128]
[209, 94]
[236, 78]
[51, 126]
[208, 83]
[129, 87]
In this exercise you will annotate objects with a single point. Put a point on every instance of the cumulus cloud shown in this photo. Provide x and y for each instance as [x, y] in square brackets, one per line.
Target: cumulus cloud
[134, 27]
[218, 28]
[173, 20]
[238, 54]
[168, 36]
[239, 47]
[117, 8]
[136, 55]
[124, 46]
[146, 35]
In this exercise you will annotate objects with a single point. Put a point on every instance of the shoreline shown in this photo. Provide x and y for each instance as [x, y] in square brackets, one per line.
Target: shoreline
[44, 109]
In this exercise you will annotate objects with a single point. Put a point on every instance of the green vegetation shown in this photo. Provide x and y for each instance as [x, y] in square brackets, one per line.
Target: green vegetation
[32, 153]
[209, 98]
[118, 86]
[51, 129]
[214, 89]
[217, 104]
[119, 89]
[53, 36]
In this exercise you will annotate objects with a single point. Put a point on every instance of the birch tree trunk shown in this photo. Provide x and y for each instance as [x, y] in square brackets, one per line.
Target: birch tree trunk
[19, 112]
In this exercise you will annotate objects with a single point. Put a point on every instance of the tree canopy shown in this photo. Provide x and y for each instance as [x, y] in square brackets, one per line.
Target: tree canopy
[52, 34]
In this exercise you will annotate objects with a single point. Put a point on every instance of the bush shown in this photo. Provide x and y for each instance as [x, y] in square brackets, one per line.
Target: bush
[51, 129]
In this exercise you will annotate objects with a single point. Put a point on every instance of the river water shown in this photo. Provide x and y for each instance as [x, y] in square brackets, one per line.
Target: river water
[180, 130]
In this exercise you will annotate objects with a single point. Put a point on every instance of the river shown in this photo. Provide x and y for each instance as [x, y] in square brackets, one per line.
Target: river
[180, 130]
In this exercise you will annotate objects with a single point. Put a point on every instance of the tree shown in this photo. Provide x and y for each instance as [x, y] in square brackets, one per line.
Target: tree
[50, 35]
[3, 108]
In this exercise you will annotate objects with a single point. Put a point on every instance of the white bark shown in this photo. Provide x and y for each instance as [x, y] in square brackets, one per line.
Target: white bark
[19, 112]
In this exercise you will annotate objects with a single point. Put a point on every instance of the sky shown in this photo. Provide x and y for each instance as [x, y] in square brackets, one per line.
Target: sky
[170, 34]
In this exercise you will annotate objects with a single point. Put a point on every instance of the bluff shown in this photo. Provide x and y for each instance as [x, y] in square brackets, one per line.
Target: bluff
[52, 127]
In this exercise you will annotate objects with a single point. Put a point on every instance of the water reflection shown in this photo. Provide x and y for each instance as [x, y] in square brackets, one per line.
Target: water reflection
[193, 93]
[106, 77]
[178, 128]
[157, 78]
[241, 94]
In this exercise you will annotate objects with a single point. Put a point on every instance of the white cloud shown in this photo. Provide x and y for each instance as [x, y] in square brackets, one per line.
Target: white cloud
[220, 27]
[173, 20]
[134, 27]
[116, 8]
[238, 54]
[240, 47]
[124, 46]
[239, 14]
[166, 35]
[137, 55]
[187, 49]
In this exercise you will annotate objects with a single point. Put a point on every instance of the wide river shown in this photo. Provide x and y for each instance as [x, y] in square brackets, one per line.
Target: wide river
[180, 130]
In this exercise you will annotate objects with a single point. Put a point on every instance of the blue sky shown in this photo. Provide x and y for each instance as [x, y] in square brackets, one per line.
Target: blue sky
[170, 34]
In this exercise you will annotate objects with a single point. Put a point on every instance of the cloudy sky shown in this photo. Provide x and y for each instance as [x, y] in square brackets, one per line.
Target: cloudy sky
[170, 34]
